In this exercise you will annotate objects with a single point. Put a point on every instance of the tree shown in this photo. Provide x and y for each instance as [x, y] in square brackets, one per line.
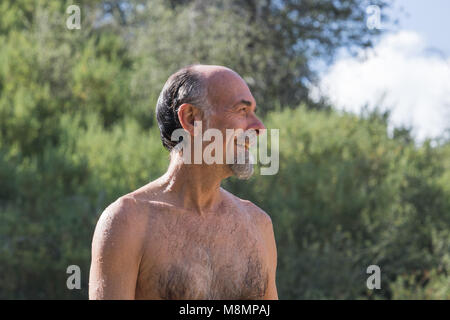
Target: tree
[272, 44]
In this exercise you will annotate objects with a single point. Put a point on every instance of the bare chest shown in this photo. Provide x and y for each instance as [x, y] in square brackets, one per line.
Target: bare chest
[209, 259]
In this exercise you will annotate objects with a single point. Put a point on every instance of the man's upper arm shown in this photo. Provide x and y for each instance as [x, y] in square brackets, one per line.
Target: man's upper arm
[271, 293]
[266, 227]
[116, 252]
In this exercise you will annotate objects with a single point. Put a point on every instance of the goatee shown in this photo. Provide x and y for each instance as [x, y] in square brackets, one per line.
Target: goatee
[243, 171]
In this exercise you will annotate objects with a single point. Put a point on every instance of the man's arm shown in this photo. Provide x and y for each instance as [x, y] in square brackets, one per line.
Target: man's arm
[271, 292]
[116, 252]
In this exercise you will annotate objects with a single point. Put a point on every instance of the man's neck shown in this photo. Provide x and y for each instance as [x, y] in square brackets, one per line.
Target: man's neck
[193, 186]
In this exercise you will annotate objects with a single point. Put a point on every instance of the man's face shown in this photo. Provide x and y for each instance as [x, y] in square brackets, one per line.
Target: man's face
[232, 107]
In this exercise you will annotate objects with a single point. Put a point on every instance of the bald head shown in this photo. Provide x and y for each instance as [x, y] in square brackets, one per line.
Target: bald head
[204, 86]
[223, 84]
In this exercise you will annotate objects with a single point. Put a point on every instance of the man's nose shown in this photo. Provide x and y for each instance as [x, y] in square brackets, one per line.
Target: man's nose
[257, 125]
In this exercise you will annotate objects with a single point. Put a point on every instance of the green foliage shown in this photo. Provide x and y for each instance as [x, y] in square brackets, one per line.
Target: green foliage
[50, 203]
[272, 44]
[431, 285]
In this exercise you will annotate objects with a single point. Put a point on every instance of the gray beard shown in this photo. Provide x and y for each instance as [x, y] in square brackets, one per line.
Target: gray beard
[243, 171]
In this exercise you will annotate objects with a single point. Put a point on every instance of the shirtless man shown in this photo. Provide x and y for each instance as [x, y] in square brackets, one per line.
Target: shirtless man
[182, 236]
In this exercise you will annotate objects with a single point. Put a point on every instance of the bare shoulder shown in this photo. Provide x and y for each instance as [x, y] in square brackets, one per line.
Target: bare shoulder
[256, 214]
[117, 248]
[123, 211]
[122, 220]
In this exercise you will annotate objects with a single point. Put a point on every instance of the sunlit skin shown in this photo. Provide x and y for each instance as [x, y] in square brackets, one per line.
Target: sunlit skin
[182, 236]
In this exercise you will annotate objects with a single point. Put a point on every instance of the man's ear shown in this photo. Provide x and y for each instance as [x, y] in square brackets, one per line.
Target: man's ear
[188, 114]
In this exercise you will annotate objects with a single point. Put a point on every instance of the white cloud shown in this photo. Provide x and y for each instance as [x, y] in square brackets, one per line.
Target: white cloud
[416, 84]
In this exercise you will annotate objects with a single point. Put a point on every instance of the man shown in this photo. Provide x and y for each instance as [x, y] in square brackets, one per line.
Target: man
[182, 236]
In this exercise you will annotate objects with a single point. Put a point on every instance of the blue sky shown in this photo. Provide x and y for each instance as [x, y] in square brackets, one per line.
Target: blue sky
[430, 18]
[407, 72]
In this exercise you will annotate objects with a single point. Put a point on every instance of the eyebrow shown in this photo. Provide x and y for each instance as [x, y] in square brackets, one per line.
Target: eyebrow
[246, 102]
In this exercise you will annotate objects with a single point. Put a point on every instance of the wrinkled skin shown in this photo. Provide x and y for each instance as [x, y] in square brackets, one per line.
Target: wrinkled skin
[182, 236]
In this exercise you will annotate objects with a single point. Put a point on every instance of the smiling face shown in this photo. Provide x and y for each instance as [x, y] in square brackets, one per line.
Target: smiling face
[232, 107]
